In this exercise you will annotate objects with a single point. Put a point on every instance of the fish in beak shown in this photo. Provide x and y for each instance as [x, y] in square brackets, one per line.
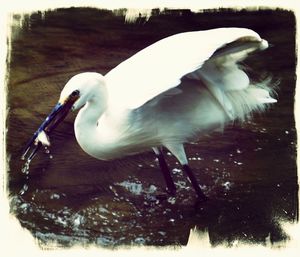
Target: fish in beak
[56, 116]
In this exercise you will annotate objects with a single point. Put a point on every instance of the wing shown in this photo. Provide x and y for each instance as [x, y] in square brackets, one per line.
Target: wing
[198, 54]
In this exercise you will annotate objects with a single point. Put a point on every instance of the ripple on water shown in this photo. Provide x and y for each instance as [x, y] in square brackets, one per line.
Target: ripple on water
[54, 196]
[140, 240]
[77, 220]
[105, 240]
[176, 171]
[227, 185]
[181, 184]
[132, 187]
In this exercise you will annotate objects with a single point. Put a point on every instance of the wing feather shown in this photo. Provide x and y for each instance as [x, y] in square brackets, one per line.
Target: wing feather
[161, 66]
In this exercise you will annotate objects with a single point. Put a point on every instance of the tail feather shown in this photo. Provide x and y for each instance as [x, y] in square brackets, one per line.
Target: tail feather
[231, 87]
[255, 98]
[227, 81]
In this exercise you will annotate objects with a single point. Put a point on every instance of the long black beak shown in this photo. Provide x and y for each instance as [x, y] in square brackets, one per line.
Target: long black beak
[56, 116]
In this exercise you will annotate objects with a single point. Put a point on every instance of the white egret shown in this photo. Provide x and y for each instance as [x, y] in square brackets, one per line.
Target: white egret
[167, 94]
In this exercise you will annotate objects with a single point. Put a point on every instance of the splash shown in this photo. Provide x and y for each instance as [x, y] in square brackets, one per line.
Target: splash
[26, 167]
[24, 189]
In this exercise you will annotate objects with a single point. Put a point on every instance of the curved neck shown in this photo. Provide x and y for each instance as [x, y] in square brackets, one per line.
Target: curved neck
[86, 123]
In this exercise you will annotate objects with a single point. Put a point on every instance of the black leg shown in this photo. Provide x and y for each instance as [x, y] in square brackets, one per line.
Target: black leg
[166, 172]
[194, 182]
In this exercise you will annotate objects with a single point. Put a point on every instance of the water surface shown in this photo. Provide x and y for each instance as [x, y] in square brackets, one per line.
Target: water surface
[248, 172]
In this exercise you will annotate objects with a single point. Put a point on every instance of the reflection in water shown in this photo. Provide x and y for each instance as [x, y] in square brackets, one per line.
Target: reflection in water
[248, 172]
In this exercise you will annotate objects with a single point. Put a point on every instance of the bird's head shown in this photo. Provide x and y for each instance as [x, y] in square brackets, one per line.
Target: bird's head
[80, 89]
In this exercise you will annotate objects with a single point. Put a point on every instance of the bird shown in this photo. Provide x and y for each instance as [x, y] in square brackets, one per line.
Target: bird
[164, 96]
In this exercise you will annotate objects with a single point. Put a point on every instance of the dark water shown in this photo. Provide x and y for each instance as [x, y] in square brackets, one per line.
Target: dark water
[248, 172]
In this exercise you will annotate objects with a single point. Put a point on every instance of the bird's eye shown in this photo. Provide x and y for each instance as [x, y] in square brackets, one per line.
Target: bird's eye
[75, 93]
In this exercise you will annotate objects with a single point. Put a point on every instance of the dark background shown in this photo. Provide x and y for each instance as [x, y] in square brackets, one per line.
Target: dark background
[248, 172]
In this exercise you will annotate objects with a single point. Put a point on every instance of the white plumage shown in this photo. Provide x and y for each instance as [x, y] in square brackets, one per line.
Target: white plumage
[161, 65]
[167, 94]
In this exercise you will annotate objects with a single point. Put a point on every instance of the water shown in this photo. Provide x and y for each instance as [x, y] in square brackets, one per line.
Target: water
[248, 172]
